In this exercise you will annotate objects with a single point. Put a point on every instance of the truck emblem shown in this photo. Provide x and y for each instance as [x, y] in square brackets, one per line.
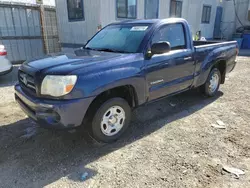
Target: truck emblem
[157, 82]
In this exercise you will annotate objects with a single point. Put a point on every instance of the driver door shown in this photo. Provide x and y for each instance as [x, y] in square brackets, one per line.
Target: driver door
[173, 71]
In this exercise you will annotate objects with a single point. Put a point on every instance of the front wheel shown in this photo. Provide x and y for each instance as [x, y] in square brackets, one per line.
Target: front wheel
[211, 87]
[111, 120]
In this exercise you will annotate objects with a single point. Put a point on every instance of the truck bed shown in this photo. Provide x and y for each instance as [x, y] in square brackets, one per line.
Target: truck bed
[200, 43]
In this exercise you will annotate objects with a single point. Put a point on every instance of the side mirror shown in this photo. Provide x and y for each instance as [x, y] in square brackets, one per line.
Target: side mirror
[160, 48]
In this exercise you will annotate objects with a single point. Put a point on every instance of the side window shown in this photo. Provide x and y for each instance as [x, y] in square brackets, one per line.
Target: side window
[172, 33]
[151, 9]
[175, 8]
[206, 14]
[126, 8]
[75, 10]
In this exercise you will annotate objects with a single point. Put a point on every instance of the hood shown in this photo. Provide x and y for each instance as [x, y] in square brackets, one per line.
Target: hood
[71, 61]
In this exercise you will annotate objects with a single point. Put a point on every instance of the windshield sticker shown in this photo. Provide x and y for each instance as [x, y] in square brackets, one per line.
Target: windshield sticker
[139, 28]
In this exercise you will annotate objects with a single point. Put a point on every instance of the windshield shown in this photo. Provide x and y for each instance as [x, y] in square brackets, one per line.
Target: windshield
[119, 38]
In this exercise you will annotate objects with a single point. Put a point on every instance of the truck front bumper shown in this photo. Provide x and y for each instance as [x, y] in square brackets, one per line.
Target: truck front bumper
[58, 114]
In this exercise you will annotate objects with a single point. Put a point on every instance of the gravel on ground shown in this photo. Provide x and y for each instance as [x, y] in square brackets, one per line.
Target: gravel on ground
[170, 143]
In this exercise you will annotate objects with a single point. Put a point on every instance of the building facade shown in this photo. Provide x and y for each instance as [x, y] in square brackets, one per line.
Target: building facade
[79, 20]
[31, 2]
[236, 14]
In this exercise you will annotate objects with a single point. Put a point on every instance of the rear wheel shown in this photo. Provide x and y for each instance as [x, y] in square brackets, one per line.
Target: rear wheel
[111, 120]
[211, 87]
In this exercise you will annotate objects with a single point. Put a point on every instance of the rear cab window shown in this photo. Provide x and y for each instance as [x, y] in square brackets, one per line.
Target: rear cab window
[172, 33]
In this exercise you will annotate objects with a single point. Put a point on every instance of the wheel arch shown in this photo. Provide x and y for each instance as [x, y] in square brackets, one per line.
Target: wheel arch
[127, 92]
[221, 65]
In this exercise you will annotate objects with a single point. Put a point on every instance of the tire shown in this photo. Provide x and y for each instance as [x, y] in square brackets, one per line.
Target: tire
[111, 120]
[210, 89]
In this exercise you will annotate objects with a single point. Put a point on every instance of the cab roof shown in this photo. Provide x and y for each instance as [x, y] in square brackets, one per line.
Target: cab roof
[151, 21]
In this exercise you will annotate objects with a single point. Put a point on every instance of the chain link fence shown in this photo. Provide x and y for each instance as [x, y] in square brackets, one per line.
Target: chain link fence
[28, 31]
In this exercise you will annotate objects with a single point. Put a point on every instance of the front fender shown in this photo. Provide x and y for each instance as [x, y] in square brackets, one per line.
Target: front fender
[95, 83]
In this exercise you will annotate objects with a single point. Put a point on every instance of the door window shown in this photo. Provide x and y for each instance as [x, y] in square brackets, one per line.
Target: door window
[172, 33]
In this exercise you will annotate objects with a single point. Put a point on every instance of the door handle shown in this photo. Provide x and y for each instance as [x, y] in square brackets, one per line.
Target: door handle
[187, 58]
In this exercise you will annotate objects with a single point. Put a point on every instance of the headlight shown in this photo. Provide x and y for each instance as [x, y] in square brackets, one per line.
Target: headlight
[58, 85]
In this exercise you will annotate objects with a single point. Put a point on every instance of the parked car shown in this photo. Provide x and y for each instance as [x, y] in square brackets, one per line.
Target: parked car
[123, 66]
[5, 64]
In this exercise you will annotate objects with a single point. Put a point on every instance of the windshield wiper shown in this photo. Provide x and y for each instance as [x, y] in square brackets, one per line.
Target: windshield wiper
[110, 50]
[88, 48]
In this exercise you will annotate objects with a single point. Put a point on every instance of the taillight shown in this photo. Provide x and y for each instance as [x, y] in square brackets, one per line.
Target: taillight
[3, 52]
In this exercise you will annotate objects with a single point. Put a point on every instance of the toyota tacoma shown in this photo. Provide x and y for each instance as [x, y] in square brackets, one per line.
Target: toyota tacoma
[123, 66]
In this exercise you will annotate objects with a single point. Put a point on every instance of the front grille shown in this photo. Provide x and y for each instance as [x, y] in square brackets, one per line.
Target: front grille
[27, 81]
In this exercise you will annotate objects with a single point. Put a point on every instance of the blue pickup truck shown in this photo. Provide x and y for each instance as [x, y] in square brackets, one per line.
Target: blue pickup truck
[124, 65]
